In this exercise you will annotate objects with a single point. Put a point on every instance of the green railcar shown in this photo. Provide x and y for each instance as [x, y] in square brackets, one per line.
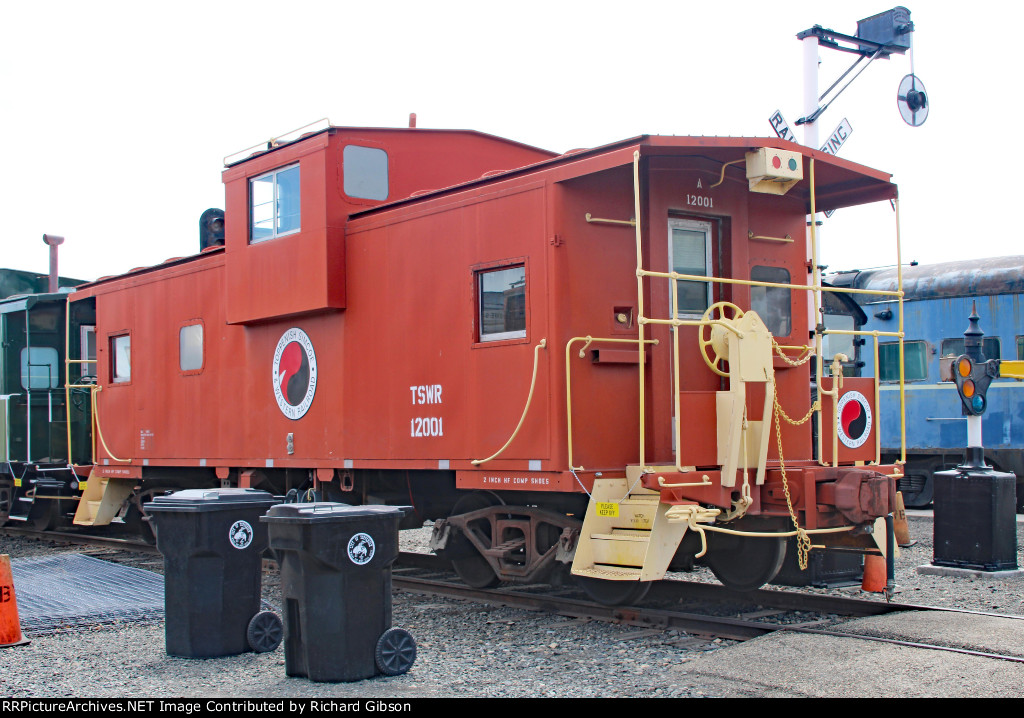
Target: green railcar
[47, 427]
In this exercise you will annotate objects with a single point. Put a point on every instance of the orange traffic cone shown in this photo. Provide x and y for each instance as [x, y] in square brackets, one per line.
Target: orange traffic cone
[900, 526]
[10, 626]
[875, 574]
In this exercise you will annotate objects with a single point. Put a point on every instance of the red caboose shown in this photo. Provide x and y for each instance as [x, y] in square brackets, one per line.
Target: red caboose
[561, 359]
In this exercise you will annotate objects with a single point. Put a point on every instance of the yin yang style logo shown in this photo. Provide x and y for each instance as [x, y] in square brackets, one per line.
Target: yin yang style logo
[854, 424]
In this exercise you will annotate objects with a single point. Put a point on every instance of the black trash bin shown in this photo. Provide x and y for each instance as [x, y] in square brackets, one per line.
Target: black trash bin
[213, 542]
[335, 564]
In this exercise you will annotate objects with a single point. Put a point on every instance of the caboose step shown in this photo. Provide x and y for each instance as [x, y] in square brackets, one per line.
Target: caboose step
[625, 536]
[610, 573]
[102, 500]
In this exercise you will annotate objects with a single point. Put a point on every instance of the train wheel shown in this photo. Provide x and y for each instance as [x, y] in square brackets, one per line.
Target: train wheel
[614, 593]
[136, 525]
[6, 499]
[472, 568]
[745, 563]
[917, 487]
[43, 514]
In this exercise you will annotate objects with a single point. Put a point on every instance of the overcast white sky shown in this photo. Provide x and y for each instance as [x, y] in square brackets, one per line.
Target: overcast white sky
[117, 115]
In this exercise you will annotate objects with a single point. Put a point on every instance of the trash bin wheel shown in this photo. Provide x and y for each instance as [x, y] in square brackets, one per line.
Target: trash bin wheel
[265, 632]
[396, 652]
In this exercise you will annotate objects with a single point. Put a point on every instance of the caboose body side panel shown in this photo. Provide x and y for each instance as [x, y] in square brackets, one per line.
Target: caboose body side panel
[409, 375]
[613, 326]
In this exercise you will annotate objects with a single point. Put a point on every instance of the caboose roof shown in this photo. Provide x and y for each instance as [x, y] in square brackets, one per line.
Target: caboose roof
[839, 182]
[274, 145]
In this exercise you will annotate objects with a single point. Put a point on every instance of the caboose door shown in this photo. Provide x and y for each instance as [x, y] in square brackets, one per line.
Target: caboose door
[692, 250]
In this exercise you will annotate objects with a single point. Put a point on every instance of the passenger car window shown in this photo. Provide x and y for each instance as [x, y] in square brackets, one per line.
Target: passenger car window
[502, 302]
[990, 347]
[915, 361]
[274, 205]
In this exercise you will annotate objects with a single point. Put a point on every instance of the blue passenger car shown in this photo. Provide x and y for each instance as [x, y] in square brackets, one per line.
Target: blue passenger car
[937, 303]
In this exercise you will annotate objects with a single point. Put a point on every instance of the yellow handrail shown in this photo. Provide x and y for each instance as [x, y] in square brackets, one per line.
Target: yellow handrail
[529, 398]
[640, 306]
[96, 419]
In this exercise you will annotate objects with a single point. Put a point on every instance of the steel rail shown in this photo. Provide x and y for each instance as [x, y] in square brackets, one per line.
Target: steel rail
[692, 623]
[910, 644]
[703, 625]
[675, 590]
[84, 539]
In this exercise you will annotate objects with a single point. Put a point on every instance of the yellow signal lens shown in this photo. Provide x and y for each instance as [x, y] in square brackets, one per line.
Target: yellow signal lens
[968, 388]
[964, 367]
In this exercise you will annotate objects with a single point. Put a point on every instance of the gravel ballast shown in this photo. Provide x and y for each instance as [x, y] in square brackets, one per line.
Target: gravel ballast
[463, 649]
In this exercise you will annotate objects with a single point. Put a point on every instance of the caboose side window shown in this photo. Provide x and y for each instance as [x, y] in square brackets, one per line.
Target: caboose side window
[121, 358]
[366, 172]
[1020, 348]
[689, 252]
[915, 361]
[502, 302]
[190, 347]
[772, 303]
[274, 204]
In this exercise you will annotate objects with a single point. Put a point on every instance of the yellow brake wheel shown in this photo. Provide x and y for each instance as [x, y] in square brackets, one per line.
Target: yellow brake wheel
[714, 336]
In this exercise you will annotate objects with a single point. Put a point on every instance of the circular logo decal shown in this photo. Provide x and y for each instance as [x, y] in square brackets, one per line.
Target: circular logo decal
[361, 548]
[240, 534]
[854, 419]
[294, 373]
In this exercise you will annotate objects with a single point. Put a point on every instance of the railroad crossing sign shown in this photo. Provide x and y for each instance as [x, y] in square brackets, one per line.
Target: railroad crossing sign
[838, 137]
[778, 123]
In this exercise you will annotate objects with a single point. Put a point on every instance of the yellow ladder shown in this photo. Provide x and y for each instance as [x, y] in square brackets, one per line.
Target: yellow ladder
[102, 499]
[626, 535]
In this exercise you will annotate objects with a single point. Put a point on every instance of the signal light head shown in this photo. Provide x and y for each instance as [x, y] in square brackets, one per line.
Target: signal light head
[968, 388]
[963, 366]
[978, 404]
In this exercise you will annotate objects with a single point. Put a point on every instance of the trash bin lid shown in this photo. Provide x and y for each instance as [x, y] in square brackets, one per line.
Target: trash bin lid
[325, 511]
[211, 500]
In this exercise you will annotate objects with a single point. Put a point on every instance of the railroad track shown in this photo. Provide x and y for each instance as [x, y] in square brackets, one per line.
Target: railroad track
[753, 614]
[82, 539]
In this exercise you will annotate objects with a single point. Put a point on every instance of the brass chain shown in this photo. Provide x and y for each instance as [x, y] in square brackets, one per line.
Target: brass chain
[815, 405]
[803, 540]
[793, 362]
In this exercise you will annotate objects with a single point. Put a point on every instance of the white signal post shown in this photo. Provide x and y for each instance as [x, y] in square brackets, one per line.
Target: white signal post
[811, 62]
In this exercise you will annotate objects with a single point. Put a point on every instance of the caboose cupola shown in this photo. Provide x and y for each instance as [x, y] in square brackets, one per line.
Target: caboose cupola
[287, 205]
